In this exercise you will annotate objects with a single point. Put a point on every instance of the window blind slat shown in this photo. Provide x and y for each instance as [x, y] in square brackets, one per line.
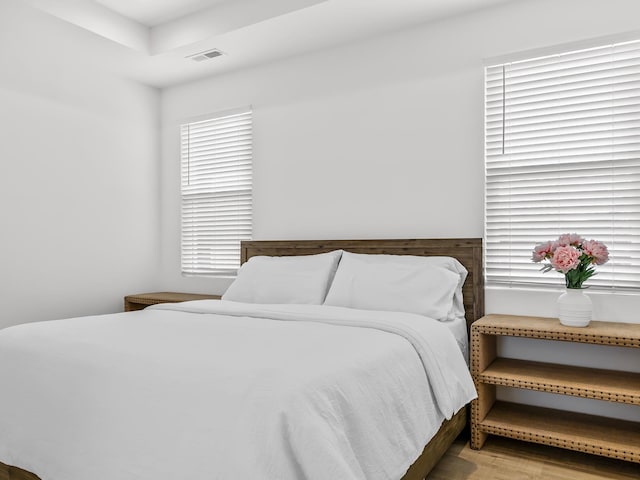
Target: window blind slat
[562, 155]
[216, 173]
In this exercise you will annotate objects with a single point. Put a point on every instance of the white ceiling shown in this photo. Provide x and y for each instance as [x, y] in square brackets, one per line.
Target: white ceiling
[154, 12]
[148, 40]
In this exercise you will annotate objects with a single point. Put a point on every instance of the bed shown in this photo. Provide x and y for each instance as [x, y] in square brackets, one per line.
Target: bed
[467, 251]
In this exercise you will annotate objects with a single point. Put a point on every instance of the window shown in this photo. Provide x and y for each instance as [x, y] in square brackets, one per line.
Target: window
[216, 192]
[562, 153]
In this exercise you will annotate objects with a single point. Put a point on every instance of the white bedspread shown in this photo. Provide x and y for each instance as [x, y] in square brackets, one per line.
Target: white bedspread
[222, 390]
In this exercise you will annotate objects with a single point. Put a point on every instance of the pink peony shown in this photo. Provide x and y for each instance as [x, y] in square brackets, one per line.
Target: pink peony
[596, 250]
[565, 258]
[572, 256]
[543, 251]
[572, 239]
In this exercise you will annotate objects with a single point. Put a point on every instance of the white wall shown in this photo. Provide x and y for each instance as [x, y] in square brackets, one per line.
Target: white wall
[79, 181]
[384, 138]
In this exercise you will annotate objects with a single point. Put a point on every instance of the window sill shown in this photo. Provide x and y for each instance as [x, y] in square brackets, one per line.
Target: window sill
[559, 289]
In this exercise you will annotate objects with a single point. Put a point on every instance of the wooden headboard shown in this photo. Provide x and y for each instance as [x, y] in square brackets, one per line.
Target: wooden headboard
[468, 251]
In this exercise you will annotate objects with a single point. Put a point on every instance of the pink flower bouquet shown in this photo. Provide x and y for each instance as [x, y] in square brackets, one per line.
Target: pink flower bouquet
[572, 256]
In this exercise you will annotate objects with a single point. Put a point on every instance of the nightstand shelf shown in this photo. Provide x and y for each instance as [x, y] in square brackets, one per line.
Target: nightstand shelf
[610, 385]
[575, 431]
[142, 300]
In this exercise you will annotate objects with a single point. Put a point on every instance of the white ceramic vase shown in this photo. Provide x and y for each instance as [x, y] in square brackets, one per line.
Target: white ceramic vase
[574, 308]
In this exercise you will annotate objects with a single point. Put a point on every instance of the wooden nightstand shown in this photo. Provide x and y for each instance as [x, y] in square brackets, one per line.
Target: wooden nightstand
[574, 431]
[142, 300]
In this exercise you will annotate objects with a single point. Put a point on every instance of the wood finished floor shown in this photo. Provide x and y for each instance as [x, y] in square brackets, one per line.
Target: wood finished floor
[505, 459]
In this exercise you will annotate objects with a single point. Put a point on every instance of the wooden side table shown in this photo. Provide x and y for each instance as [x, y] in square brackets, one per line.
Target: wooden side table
[142, 300]
[574, 431]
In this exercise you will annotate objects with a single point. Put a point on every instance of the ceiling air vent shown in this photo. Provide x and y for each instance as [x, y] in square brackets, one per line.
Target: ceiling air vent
[208, 55]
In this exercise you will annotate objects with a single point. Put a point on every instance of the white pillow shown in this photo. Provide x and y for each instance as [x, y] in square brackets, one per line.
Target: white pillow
[404, 283]
[291, 279]
[450, 263]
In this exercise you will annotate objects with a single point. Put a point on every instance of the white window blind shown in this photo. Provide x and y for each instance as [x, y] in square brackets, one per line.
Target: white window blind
[562, 152]
[216, 193]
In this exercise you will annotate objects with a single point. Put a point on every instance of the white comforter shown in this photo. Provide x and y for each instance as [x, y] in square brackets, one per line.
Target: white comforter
[222, 390]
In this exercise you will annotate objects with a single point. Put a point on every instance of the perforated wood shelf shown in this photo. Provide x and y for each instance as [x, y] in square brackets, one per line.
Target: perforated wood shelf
[584, 433]
[575, 431]
[601, 333]
[610, 385]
